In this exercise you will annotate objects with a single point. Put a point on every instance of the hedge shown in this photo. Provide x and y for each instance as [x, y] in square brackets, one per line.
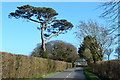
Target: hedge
[109, 69]
[21, 66]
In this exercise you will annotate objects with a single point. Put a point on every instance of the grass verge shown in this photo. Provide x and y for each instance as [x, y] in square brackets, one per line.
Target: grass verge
[89, 74]
[49, 74]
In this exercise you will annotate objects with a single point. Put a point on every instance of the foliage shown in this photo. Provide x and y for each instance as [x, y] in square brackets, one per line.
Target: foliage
[50, 26]
[21, 66]
[63, 51]
[96, 31]
[89, 50]
[58, 50]
[38, 52]
[107, 69]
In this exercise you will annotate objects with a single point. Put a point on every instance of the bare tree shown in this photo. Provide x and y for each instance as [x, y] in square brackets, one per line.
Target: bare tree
[117, 52]
[108, 53]
[93, 29]
[112, 14]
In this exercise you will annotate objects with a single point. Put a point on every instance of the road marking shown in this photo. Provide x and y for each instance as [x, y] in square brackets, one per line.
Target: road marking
[67, 76]
[70, 73]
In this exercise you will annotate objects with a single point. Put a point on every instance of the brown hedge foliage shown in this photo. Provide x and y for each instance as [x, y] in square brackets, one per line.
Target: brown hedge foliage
[20, 66]
[109, 69]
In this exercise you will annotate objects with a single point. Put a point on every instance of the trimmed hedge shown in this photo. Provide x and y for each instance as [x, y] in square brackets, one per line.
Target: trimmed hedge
[109, 69]
[20, 66]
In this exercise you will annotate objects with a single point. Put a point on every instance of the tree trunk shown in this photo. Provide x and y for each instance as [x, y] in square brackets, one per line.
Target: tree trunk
[73, 65]
[108, 57]
[118, 56]
[42, 38]
[94, 59]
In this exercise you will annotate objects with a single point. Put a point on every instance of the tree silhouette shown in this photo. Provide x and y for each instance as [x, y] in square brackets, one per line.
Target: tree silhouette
[46, 18]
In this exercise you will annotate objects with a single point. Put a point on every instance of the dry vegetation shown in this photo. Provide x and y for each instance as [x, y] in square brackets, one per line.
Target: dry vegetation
[20, 66]
[109, 69]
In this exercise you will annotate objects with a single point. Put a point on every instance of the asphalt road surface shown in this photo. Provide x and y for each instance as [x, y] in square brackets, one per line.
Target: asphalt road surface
[71, 74]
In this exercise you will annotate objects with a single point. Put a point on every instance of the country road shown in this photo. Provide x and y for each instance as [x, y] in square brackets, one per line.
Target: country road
[71, 74]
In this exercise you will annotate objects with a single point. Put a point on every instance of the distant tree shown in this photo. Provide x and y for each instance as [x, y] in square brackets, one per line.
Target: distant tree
[89, 50]
[85, 53]
[96, 31]
[58, 50]
[117, 52]
[108, 53]
[46, 18]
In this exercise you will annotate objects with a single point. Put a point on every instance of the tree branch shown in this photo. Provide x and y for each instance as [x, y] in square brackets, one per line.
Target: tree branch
[33, 20]
[53, 36]
[48, 26]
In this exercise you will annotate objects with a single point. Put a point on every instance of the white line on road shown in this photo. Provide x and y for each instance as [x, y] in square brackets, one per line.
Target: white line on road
[68, 76]
[70, 73]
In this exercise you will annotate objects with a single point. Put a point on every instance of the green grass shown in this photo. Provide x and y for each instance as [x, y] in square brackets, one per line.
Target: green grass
[49, 74]
[89, 75]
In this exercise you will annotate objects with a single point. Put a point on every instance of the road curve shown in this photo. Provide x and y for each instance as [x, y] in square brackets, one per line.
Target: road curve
[71, 74]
